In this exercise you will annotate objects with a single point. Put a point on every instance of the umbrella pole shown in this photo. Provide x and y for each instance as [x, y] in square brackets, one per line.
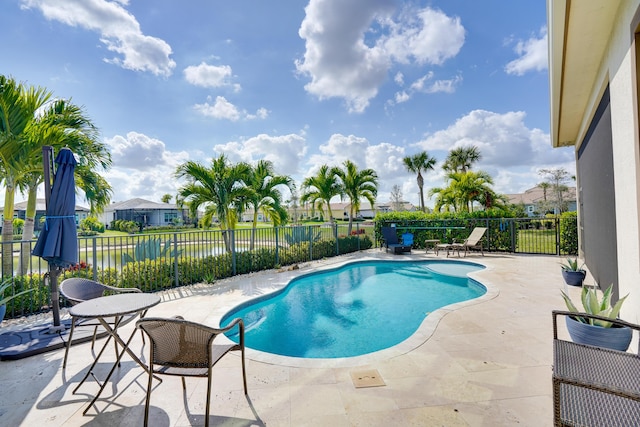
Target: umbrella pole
[47, 159]
[55, 301]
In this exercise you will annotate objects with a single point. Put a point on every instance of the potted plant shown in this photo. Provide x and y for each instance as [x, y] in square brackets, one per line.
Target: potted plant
[597, 332]
[572, 273]
[4, 300]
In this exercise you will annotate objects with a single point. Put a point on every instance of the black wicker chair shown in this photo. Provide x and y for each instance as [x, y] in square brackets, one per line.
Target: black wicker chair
[594, 386]
[186, 349]
[76, 290]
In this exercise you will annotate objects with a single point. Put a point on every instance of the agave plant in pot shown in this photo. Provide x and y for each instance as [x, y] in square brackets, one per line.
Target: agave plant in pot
[597, 332]
[4, 300]
[572, 273]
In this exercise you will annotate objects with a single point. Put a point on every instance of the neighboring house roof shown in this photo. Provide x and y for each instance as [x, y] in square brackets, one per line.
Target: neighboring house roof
[139, 204]
[365, 206]
[536, 195]
[41, 206]
[579, 32]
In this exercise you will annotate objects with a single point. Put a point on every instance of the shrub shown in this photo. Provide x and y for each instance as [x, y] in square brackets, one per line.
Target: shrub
[32, 301]
[353, 243]
[91, 223]
[149, 276]
[125, 226]
[18, 226]
[569, 233]
[256, 260]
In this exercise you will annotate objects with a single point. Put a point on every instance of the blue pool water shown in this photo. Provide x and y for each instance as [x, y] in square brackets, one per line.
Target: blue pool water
[359, 308]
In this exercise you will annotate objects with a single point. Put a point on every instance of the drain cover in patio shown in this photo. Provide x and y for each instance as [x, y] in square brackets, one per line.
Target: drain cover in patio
[368, 378]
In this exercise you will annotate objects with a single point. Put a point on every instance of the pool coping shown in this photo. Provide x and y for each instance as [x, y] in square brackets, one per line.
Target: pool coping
[418, 338]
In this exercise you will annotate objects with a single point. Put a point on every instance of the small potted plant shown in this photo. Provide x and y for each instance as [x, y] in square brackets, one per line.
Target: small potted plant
[596, 332]
[572, 273]
[4, 300]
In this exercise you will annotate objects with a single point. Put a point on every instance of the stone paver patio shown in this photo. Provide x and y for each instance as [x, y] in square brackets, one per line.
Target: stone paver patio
[482, 363]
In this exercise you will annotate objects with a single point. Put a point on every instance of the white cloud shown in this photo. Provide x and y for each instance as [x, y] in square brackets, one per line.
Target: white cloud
[428, 36]
[509, 148]
[344, 58]
[139, 151]
[220, 109]
[445, 86]
[118, 29]
[223, 109]
[285, 151]
[532, 55]
[503, 139]
[401, 97]
[142, 167]
[384, 158]
[262, 113]
[205, 75]
[425, 84]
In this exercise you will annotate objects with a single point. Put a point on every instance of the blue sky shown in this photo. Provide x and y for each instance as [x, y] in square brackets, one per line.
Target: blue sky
[300, 83]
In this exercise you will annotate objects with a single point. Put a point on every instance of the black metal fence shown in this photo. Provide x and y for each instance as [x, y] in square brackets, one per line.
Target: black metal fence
[158, 261]
[548, 236]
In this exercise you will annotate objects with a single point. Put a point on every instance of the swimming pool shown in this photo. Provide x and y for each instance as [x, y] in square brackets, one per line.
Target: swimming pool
[359, 308]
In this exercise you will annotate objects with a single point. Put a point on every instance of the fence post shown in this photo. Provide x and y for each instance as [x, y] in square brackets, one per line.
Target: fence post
[94, 246]
[232, 243]
[358, 235]
[310, 233]
[335, 236]
[513, 235]
[277, 250]
[557, 236]
[175, 259]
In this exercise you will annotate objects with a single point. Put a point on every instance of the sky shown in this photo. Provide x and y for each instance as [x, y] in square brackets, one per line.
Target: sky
[301, 83]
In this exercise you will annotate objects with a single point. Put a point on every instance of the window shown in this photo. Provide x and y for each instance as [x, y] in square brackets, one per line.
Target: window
[170, 217]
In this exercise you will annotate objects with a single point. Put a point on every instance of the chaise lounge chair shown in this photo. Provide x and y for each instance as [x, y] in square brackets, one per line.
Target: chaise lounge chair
[474, 241]
[390, 240]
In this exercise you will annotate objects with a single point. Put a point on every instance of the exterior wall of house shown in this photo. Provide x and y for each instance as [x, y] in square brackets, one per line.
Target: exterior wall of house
[597, 220]
[618, 70]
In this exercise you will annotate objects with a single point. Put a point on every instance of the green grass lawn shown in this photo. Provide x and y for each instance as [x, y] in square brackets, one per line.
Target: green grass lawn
[537, 241]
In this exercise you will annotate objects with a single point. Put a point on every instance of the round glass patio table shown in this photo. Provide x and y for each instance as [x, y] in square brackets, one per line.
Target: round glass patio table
[113, 307]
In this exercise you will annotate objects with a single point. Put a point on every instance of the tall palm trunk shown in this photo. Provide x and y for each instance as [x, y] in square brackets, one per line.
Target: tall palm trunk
[27, 232]
[329, 210]
[421, 186]
[253, 230]
[7, 227]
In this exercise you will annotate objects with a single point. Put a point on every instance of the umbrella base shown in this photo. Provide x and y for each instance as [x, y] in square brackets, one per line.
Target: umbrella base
[39, 339]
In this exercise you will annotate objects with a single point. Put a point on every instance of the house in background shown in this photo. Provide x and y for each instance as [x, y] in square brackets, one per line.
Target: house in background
[367, 211]
[144, 212]
[537, 203]
[20, 211]
[594, 73]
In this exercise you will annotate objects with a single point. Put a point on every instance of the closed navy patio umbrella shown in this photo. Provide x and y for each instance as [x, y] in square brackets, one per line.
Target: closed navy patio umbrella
[58, 240]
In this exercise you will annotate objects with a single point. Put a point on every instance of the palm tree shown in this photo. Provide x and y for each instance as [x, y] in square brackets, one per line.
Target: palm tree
[416, 164]
[461, 159]
[18, 105]
[63, 124]
[166, 198]
[468, 187]
[357, 185]
[266, 196]
[445, 199]
[321, 188]
[218, 188]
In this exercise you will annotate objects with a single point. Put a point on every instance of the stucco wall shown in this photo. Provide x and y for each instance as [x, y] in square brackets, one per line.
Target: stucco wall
[618, 69]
